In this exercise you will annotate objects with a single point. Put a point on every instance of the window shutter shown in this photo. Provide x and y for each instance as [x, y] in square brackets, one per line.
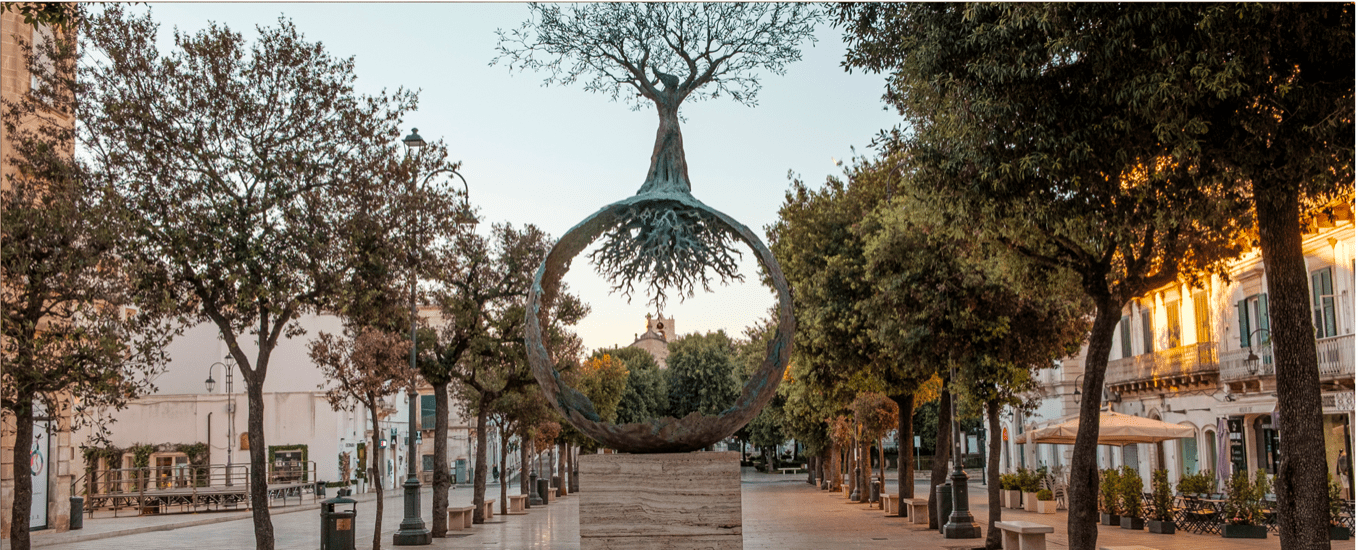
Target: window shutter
[1244, 323]
[1264, 334]
[1126, 325]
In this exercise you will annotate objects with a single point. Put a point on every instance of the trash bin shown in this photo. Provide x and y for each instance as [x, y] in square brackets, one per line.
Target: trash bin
[544, 488]
[320, 488]
[337, 526]
[77, 513]
[944, 492]
[875, 492]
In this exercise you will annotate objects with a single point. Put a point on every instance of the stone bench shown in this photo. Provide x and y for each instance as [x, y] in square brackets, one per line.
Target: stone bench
[918, 510]
[517, 504]
[1024, 535]
[488, 509]
[551, 495]
[1127, 548]
[460, 518]
[785, 471]
[889, 505]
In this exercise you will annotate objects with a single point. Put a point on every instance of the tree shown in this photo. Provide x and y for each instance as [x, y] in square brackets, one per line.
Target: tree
[363, 369]
[602, 378]
[481, 348]
[662, 53]
[1014, 133]
[75, 332]
[1266, 93]
[875, 414]
[702, 374]
[244, 200]
[645, 396]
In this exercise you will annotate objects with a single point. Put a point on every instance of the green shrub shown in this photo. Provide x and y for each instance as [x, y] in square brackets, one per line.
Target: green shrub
[1045, 494]
[1108, 491]
[1129, 491]
[1030, 481]
[1203, 482]
[1009, 482]
[1242, 500]
[1162, 502]
[1336, 502]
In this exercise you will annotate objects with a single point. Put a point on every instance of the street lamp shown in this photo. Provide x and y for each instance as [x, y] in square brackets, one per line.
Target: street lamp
[1252, 360]
[961, 524]
[229, 366]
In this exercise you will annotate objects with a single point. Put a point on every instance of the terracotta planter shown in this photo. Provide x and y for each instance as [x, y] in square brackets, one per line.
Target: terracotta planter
[1046, 506]
[1135, 524]
[1244, 531]
[1339, 532]
[1011, 499]
[1109, 519]
[1160, 527]
[1030, 501]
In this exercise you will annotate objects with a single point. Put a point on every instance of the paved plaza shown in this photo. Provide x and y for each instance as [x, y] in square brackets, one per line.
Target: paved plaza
[779, 512]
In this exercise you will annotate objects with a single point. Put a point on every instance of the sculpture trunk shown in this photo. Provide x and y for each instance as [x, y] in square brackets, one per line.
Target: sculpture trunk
[669, 170]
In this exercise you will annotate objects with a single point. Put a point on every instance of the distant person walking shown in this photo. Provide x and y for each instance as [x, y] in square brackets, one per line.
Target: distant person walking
[1344, 470]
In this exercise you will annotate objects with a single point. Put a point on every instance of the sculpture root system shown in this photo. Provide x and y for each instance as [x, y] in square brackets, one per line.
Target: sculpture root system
[668, 245]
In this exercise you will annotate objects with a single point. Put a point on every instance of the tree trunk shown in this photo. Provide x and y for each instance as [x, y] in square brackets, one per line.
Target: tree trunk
[865, 471]
[504, 473]
[905, 445]
[942, 450]
[669, 171]
[523, 468]
[993, 536]
[881, 466]
[833, 472]
[377, 466]
[561, 469]
[810, 470]
[442, 481]
[479, 471]
[1303, 516]
[259, 462]
[23, 481]
[1084, 475]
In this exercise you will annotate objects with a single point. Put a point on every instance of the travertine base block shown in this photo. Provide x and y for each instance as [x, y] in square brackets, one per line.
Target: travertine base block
[675, 501]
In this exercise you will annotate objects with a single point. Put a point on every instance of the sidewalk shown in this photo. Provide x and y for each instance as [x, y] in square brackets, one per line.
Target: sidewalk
[780, 512]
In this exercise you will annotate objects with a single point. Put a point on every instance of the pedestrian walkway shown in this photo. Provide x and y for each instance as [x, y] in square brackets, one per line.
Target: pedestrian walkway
[780, 512]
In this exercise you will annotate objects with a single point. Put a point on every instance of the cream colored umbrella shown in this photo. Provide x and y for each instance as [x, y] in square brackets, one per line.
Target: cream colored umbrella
[1114, 429]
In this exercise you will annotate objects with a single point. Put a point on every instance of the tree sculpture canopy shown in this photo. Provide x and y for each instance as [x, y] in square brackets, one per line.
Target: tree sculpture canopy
[663, 236]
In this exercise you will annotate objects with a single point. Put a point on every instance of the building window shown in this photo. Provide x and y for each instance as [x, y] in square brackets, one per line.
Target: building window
[427, 416]
[1202, 316]
[1125, 330]
[1172, 328]
[1253, 315]
[427, 463]
[1322, 303]
[1188, 455]
[1147, 335]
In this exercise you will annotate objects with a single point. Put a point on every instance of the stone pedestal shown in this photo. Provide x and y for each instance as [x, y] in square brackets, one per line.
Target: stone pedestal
[677, 501]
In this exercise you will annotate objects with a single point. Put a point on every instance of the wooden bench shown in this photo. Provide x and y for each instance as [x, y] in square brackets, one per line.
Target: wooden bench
[460, 518]
[918, 510]
[488, 509]
[1024, 535]
[517, 504]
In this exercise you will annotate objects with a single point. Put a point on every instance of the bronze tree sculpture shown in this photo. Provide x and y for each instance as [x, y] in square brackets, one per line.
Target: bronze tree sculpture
[662, 235]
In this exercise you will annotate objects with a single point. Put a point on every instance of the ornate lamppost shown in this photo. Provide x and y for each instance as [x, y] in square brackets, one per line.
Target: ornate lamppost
[228, 366]
[961, 524]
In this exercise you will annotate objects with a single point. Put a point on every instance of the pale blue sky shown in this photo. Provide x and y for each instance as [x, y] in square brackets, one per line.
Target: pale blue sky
[553, 155]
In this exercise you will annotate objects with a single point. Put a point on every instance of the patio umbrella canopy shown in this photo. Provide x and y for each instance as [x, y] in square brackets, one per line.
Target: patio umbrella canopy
[1114, 429]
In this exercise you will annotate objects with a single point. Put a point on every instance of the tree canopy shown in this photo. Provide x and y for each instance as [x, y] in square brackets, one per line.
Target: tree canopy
[702, 374]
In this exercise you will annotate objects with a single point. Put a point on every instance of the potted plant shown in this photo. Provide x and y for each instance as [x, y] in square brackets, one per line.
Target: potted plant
[1046, 502]
[1129, 493]
[1243, 513]
[1108, 498]
[1162, 503]
[1337, 530]
[1200, 483]
[1032, 481]
[1010, 491]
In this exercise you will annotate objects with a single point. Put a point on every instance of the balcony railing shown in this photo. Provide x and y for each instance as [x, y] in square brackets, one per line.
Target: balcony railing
[1334, 358]
[1173, 364]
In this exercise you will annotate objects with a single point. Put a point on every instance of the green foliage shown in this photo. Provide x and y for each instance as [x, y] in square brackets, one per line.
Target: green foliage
[1243, 500]
[141, 454]
[1009, 482]
[702, 374]
[1109, 484]
[1336, 493]
[1129, 492]
[1045, 494]
[645, 396]
[603, 379]
[1162, 500]
[1203, 482]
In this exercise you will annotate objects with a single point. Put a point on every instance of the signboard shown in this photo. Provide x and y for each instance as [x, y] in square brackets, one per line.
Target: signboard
[1236, 426]
[39, 464]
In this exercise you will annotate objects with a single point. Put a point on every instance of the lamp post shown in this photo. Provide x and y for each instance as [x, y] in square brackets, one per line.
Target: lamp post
[228, 366]
[1252, 360]
[961, 524]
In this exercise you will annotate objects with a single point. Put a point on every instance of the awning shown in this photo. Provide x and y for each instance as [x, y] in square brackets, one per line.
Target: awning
[1114, 429]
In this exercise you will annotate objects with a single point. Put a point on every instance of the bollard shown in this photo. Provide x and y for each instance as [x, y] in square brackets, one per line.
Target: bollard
[944, 499]
[77, 513]
[337, 526]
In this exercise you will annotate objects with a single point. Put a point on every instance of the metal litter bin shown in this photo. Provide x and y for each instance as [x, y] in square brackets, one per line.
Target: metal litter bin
[337, 526]
[77, 513]
[944, 493]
